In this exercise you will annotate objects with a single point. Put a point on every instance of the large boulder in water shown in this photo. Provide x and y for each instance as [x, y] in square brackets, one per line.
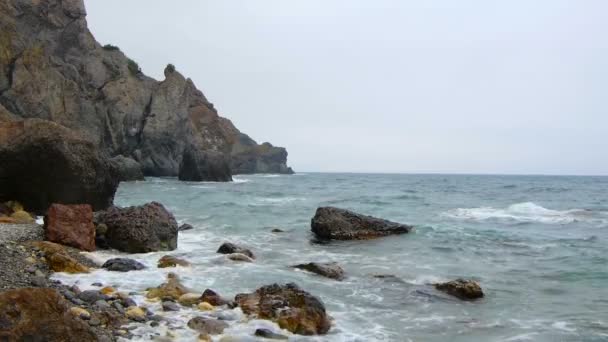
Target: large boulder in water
[38, 314]
[199, 166]
[42, 163]
[140, 229]
[127, 169]
[289, 306]
[339, 224]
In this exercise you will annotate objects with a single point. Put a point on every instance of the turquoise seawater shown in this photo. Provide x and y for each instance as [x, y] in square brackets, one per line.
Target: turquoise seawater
[537, 245]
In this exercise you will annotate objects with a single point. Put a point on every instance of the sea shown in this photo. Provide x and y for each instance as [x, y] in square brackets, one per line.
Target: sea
[538, 246]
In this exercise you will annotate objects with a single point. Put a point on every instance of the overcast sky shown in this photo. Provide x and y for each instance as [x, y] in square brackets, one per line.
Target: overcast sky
[390, 86]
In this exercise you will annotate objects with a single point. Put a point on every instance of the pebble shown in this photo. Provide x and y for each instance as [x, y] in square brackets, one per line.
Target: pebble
[170, 306]
[94, 321]
[204, 306]
[91, 296]
[135, 313]
[119, 308]
[102, 304]
[80, 312]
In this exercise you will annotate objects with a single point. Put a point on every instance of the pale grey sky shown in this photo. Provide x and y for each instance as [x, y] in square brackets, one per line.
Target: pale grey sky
[482, 86]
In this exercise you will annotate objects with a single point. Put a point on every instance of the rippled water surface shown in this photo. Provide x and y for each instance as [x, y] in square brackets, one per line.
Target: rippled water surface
[537, 245]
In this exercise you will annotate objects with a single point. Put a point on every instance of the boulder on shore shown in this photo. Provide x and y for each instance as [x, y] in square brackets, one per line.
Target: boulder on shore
[290, 307]
[330, 270]
[127, 169]
[39, 314]
[199, 166]
[231, 248]
[42, 163]
[331, 223]
[123, 265]
[140, 229]
[70, 225]
[461, 288]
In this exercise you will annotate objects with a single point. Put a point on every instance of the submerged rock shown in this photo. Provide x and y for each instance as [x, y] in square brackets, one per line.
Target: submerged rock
[45, 163]
[461, 288]
[269, 334]
[198, 166]
[230, 248]
[239, 257]
[290, 307]
[37, 314]
[172, 288]
[184, 227]
[70, 225]
[339, 224]
[127, 169]
[330, 270]
[140, 229]
[208, 326]
[171, 261]
[123, 265]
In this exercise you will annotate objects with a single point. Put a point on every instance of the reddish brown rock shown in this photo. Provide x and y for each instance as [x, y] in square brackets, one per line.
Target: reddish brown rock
[290, 307]
[37, 314]
[70, 225]
[213, 298]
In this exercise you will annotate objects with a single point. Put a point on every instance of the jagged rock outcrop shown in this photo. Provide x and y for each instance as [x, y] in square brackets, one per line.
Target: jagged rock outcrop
[42, 163]
[197, 166]
[51, 67]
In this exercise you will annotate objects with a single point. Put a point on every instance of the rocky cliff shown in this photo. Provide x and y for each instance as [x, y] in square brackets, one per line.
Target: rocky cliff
[52, 68]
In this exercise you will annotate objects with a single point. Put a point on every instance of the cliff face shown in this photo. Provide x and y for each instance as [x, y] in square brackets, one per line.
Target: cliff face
[51, 67]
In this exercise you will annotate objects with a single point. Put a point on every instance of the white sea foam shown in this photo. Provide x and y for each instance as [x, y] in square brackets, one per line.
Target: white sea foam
[524, 212]
[238, 180]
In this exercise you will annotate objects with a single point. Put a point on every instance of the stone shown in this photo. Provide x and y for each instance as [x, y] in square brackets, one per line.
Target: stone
[277, 230]
[189, 299]
[101, 229]
[230, 248]
[204, 306]
[331, 223]
[289, 306]
[127, 169]
[123, 265]
[213, 298]
[22, 217]
[171, 261]
[330, 270]
[239, 257]
[80, 313]
[140, 229]
[172, 288]
[199, 166]
[94, 322]
[39, 314]
[91, 296]
[70, 225]
[269, 334]
[58, 259]
[462, 289]
[170, 306]
[60, 167]
[108, 290]
[136, 314]
[207, 325]
[185, 227]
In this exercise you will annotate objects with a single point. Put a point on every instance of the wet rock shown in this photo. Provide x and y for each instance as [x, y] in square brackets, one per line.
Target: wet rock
[36, 314]
[269, 334]
[277, 230]
[171, 261]
[91, 296]
[170, 306]
[127, 169]
[198, 166]
[207, 325]
[108, 290]
[331, 223]
[184, 227]
[102, 305]
[290, 307]
[70, 225]
[213, 298]
[172, 288]
[136, 314]
[123, 265]
[94, 322]
[239, 257]
[230, 248]
[58, 259]
[461, 288]
[204, 306]
[330, 270]
[189, 299]
[140, 229]
[60, 166]
[80, 313]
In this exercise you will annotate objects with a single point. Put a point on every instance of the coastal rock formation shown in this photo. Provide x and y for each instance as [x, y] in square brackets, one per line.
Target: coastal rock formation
[330, 270]
[461, 288]
[70, 225]
[339, 224]
[231, 248]
[123, 265]
[290, 307]
[127, 169]
[197, 166]
[42, 163]
[140, 229]
[37, 314]
[51, 67]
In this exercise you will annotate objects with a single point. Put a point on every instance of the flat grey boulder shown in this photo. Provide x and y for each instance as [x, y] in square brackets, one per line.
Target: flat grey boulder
[330, 223]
